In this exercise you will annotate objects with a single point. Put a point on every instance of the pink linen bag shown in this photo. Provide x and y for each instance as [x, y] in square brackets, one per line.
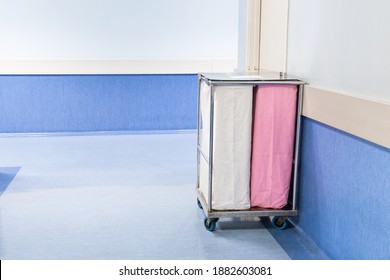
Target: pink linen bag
[274, 117]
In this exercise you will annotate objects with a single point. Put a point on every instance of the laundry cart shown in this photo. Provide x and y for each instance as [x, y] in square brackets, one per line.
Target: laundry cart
[248, 146]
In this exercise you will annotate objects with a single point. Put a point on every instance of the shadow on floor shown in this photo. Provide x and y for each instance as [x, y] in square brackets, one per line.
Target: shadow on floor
[294, 243]
[7, 174]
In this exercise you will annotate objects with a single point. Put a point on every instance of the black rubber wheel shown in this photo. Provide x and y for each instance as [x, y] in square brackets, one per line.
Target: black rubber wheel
[199, 204]
[210, 224]
[279, 222]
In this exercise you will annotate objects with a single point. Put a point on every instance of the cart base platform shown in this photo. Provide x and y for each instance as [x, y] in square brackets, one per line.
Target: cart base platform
[278, 216]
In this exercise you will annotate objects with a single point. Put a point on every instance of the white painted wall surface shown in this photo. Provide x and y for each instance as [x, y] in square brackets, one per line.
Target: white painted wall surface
[341, 45]
[273, 35]
[118, 29]
[249, 36]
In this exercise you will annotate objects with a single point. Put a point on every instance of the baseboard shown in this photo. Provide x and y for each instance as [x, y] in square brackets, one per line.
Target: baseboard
[97, 133]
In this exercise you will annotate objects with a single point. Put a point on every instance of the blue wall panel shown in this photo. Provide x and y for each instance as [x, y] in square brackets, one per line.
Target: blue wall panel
[67, 103]
[344, 193]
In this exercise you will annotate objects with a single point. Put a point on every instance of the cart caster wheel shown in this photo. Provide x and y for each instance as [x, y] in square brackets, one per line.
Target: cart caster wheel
[279, 222]
[210, 224]
[199, 204]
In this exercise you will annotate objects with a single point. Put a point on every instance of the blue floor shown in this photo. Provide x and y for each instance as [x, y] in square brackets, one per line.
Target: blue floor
[123, 196]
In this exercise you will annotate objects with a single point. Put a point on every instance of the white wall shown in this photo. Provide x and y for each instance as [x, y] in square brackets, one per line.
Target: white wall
[118, 29]
[273, 35]
[249, 36]
[341, 45]
[262, 35]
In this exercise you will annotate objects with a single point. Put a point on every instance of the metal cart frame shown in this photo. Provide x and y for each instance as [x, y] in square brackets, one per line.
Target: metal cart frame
[279, 216]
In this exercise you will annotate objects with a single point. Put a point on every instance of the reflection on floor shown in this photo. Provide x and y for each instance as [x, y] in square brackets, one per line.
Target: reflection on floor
[116, 196]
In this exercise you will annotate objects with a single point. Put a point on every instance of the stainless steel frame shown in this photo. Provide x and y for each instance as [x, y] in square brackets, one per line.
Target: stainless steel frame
[214, 80]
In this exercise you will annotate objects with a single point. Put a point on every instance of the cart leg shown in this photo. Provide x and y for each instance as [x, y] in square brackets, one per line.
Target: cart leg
[210, 223]
[279, 222]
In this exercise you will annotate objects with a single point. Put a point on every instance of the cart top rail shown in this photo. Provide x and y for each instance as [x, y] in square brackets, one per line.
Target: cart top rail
[264, 77]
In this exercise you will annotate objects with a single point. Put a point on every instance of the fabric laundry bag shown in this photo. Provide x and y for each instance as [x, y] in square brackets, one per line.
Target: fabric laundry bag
[274, 118]
[232, 130]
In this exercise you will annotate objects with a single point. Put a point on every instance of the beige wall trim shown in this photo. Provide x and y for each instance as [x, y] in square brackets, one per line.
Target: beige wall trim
[10, 67]
[361, 117]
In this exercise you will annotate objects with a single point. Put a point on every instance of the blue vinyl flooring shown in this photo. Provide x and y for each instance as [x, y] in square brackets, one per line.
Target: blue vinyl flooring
[120, 196]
